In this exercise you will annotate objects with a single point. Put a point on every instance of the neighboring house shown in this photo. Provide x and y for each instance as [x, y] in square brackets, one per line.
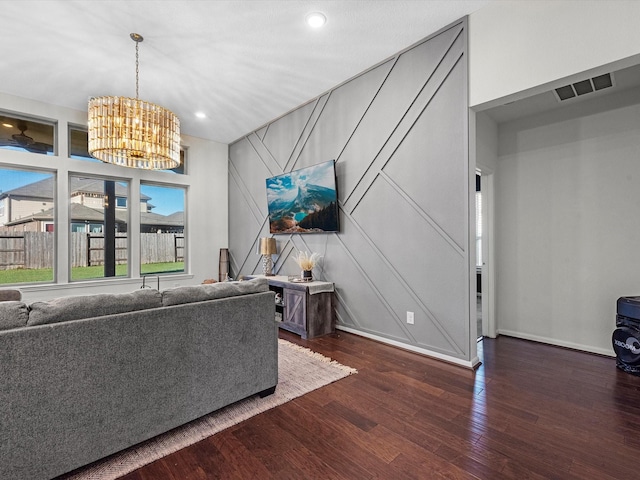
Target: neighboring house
[155, 223]
[30, 209]
[28, 200]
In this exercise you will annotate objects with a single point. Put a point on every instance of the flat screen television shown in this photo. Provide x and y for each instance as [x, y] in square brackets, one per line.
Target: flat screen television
[304, 200]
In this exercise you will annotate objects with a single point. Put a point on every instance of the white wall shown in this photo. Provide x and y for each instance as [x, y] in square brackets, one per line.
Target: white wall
[486, 143]
[567, 229]
[207, 202]
[516, 46]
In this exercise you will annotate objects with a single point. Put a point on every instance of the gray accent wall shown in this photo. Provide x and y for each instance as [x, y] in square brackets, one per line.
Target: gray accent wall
[399, 135]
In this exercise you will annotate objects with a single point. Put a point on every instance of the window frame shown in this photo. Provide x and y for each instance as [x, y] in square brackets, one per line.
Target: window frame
[50, 255]
[185, 233]
[90, 224]
[63, 166]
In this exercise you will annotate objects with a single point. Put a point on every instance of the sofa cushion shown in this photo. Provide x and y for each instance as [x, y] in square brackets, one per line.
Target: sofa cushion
[200, 293]
[86, 306]
[13, 314]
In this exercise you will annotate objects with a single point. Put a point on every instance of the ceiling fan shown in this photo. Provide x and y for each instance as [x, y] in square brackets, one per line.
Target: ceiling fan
[25, 142]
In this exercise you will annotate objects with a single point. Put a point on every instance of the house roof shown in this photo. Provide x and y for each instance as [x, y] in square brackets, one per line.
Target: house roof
[42, 189]
[45, 188]
[173, 220]
[82, 213]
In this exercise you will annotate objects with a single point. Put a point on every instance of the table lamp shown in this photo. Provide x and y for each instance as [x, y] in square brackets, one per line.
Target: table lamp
[267, 248]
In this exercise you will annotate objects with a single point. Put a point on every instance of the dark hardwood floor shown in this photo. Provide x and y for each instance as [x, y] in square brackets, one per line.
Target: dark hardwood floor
[530, 411]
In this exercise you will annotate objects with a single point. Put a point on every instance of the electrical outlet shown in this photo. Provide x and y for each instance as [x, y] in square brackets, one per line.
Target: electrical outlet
[410, 318]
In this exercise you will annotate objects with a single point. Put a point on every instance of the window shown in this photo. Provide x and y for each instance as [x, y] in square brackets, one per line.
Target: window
[26, 212]
[26, 135]
[98, 206]
[79, 148]
[79, 144]
[162, 232]
[180, 168]
[99, 243]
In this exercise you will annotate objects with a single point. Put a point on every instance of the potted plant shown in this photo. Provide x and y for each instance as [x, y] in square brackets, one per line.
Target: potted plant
[306, 263]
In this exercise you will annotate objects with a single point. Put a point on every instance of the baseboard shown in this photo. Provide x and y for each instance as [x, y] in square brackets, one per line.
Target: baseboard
[423, 351]
[558, 343]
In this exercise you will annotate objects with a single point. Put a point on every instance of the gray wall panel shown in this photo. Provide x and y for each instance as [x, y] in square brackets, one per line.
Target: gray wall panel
[421, 258]
[436, 157]
[270, 162]
[252, 171]
[261, 133]
[244, 227]
[283, 136]
[404, 84]
[399, 134]
[340, 117]
[383, 292]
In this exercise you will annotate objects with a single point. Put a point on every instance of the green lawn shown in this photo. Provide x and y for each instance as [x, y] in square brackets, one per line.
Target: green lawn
[84, 273]
[26, 276]
[87, 273]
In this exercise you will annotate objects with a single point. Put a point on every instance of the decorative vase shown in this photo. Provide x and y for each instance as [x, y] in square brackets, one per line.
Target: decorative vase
[307, 275]
[223, 265]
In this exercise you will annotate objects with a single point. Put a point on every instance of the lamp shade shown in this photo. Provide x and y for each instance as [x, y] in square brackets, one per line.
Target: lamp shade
[267, 246]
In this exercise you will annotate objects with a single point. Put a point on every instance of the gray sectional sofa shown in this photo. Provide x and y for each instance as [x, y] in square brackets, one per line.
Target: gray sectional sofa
[84, 377]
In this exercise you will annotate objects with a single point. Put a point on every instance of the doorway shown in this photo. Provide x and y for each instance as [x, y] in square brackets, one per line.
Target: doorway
[479, 262]
[485, 268]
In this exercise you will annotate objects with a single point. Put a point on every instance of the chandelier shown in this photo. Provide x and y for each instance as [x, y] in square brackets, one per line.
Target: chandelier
[133, 133]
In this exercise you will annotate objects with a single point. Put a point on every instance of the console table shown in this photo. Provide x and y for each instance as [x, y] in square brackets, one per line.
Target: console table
[305, 308]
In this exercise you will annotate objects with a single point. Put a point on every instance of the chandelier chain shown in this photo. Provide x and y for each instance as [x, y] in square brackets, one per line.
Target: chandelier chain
[137, 70]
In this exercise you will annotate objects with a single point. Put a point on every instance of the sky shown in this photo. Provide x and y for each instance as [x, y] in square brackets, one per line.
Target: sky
[166, 200]
[10, 179]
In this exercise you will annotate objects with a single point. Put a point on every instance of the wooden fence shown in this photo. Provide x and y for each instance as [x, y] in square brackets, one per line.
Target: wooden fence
[35, 250]
[161, 247]
[26, 250]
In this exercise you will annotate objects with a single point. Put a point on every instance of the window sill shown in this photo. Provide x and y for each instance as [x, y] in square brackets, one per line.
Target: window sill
[105, 283]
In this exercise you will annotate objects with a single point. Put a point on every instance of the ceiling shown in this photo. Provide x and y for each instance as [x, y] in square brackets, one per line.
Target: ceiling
[241, 62]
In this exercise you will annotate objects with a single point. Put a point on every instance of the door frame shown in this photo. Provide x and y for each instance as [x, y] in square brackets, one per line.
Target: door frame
[488, 277]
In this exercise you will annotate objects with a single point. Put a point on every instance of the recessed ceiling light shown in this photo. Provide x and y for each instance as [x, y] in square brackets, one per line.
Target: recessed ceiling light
[201, 115]
[316, 19]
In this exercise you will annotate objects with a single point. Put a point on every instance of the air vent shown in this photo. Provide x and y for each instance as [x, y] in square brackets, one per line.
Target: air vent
[584, 87]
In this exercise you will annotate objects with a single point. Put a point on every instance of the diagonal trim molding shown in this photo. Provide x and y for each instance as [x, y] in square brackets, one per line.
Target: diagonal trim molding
[407, 286]
[417, 106]
[398, 133]
[423, 214]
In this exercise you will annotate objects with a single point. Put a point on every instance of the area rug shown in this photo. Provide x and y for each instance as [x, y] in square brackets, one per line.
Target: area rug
[300, 371]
